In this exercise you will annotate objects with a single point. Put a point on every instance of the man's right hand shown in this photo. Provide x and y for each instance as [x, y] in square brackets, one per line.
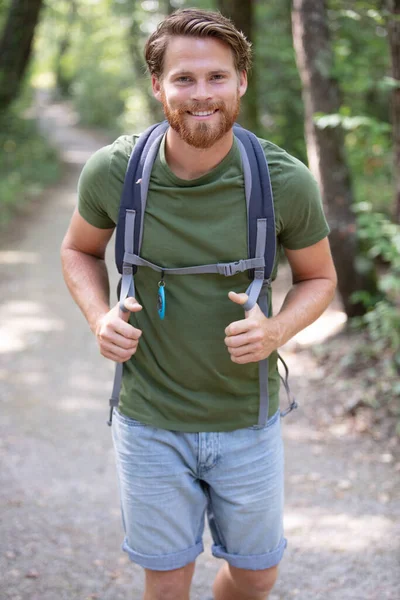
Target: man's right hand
[118, 340]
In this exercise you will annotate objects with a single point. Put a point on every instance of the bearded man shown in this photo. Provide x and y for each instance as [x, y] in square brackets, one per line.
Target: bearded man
[184, 432]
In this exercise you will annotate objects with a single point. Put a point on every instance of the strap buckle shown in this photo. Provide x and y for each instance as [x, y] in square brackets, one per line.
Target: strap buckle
[113, 404]
[289, 409]
[229, 269]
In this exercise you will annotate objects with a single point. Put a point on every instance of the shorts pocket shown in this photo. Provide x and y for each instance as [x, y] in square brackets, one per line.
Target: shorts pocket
[270, 422]
[128, 420]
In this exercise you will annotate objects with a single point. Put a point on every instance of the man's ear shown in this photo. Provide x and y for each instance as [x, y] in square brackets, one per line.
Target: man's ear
[242, 83]
[156, 87]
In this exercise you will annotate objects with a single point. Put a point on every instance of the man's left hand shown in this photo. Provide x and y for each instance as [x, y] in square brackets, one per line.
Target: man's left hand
[253, 338]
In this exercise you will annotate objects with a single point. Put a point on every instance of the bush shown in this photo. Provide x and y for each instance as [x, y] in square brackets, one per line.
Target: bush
[27, 163]
[380, 239]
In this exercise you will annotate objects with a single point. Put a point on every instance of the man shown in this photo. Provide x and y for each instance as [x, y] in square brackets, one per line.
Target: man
[184, 433]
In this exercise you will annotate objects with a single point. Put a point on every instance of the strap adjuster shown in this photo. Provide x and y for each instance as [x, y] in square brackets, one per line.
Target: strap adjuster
[127, 269]
[229, 269]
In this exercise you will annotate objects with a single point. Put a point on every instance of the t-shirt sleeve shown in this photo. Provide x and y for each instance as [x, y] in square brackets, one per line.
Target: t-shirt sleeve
[301, 215]
[93, 190]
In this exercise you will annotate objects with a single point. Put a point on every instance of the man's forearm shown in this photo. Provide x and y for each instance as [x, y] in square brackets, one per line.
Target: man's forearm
[304, 303]
[87, 279]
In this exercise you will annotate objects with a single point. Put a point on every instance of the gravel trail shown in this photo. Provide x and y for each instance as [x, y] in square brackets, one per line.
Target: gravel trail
[60, 530]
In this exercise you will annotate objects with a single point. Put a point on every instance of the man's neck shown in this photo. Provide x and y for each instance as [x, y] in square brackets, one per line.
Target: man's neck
[187, 162]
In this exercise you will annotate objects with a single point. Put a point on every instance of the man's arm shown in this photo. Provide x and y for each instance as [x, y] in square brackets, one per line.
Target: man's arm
[85, 273]
[314, 282]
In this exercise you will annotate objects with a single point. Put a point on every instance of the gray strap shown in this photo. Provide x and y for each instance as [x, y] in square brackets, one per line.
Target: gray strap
[226, 269]
[254, 288]
[145, 182]
[127, 286]
[253, 292]
[127, 290]
[263, 369]
[246, 174]
[129, 229]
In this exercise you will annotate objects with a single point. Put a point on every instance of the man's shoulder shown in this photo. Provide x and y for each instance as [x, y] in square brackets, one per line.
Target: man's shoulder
[121, 149]
[279, 157]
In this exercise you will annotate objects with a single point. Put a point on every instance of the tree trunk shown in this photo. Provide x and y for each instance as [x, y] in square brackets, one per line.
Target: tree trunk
[325, 147]
[242, 15]
[63, 80]
[16, 46]
[394, 42]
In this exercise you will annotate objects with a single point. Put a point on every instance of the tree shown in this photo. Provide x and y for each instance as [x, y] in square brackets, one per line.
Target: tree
[16, 46]
[325, 146]
[394, 42]
[242, 15]
[63, 79]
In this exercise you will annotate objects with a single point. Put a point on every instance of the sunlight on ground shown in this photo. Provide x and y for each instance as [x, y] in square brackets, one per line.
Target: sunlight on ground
[337, 533]
[14, 257]
[86, 383]
[71, 404]
[19, 320]
[330, 323]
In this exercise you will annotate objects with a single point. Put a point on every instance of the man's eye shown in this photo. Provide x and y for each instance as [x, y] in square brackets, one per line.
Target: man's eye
[183, 79]
[218, 76]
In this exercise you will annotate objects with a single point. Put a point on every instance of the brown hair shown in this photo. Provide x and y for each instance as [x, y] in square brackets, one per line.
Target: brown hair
[196, 23]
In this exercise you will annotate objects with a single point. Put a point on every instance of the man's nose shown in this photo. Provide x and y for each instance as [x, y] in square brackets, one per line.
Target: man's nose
[202, 91]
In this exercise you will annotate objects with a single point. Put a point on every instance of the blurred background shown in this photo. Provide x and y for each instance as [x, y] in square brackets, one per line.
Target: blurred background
[325, 85]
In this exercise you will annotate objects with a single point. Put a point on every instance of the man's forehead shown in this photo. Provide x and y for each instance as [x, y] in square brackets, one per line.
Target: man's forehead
[182, 49]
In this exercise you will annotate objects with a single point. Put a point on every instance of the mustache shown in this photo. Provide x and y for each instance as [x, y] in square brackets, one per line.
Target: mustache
[201, 107]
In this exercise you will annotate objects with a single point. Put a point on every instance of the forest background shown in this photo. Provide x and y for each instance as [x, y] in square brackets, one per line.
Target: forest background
[325, 86]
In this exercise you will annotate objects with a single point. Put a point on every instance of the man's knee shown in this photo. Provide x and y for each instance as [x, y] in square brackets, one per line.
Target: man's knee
[169, 585]
[255, 583]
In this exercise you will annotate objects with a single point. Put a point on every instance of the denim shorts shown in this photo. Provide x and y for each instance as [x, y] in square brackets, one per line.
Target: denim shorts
[170, 480]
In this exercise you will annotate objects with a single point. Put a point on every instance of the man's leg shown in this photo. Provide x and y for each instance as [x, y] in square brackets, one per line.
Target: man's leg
[241, 584]
[169, 585]
[245, 510]
[163, 504]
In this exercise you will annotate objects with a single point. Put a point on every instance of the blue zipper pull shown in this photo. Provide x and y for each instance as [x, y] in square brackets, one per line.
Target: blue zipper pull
[161, 297]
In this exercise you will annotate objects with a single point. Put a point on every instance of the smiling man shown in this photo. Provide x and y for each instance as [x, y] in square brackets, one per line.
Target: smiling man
[187, 431]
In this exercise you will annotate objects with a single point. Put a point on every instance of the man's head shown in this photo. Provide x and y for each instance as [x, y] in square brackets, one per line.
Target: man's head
[198, 62]
[192, 22]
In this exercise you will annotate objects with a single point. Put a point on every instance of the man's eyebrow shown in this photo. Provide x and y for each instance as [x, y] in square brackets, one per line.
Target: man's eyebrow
[186, 72]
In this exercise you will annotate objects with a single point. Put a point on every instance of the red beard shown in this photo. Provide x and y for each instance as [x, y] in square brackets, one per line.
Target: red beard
[201, 135]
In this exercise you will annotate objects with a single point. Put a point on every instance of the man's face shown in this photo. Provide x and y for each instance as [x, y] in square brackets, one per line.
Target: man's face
[200, 89]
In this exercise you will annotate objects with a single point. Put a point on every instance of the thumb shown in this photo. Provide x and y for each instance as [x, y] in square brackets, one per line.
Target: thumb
[131, 305]
[238, 298]
[242, 299]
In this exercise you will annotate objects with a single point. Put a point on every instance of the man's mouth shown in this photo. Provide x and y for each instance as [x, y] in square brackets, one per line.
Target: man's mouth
[202, 113]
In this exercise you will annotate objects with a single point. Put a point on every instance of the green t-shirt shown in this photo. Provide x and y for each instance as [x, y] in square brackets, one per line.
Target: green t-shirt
[181, 377]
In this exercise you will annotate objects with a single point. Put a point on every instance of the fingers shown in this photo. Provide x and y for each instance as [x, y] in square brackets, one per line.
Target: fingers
[116, 353]
[245, 359]
[247, 349]
[238, 327]
[126, 330]
[117, 339]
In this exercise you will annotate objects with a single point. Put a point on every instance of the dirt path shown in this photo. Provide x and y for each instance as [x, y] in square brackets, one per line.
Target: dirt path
[60, 530]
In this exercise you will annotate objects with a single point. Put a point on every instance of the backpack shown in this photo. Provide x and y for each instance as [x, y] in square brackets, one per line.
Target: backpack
[261, 239]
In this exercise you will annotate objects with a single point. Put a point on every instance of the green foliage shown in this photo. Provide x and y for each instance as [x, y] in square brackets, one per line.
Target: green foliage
[369, 152]
[381, 241]
[27, 163]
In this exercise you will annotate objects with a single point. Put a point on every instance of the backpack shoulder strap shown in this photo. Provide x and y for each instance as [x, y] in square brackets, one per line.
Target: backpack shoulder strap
[259, 197]
[134, 193]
